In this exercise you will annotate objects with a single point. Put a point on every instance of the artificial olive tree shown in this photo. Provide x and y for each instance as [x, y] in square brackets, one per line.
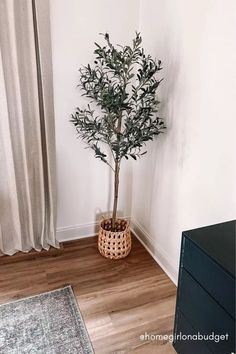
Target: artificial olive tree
[122, 83]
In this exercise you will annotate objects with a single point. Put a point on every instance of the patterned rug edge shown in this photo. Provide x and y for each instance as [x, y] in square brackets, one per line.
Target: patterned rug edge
[74, 304]
[77, 309]
[36, 295]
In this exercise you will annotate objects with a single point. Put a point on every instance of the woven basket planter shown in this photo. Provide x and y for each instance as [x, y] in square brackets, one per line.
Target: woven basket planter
[114, 244]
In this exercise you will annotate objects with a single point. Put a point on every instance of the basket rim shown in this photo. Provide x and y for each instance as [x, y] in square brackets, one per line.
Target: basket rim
[115, 232]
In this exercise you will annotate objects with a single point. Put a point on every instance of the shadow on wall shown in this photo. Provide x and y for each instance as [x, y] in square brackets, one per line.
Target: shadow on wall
[159, 197]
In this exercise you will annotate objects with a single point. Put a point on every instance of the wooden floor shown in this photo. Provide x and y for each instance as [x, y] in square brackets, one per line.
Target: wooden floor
[119, 300]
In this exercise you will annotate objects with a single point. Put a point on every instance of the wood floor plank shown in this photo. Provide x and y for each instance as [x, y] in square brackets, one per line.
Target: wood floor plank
[120, 300]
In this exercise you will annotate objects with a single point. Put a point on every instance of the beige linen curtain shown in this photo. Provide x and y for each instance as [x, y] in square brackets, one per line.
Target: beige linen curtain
[27, 141]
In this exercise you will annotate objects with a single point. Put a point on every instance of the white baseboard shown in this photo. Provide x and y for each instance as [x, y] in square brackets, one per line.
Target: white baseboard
[77, 232]
[158, 254]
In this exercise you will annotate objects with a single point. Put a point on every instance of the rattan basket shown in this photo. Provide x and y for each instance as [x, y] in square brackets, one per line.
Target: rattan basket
[114, 244]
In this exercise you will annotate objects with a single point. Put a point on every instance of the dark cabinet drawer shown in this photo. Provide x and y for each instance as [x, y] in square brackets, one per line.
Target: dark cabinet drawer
[186, 346]
[210, 275]
[205, 314]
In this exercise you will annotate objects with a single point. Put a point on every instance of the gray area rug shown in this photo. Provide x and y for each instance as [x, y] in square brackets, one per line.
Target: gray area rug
[48, 323]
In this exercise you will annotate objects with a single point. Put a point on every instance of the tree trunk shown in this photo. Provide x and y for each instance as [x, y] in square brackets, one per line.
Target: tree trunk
[116, 189]
[116, 177]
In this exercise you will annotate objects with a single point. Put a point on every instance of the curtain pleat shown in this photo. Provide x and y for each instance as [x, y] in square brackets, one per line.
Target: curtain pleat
[27, 134]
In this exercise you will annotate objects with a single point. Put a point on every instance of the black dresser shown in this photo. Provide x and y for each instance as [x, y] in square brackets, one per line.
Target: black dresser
[206, 291]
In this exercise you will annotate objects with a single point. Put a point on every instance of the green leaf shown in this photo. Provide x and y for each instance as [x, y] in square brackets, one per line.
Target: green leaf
[120, 93]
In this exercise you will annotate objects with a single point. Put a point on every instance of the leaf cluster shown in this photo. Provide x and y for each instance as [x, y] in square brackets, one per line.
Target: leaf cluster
[122, 82]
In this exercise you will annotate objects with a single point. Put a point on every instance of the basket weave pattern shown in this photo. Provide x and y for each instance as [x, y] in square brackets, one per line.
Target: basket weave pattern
[114, 245]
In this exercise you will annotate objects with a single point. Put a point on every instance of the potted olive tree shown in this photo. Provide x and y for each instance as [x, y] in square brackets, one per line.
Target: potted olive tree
[122, 114]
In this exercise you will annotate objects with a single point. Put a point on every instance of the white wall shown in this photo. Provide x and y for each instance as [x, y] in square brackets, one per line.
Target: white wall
[189, 178]
[84, 183]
